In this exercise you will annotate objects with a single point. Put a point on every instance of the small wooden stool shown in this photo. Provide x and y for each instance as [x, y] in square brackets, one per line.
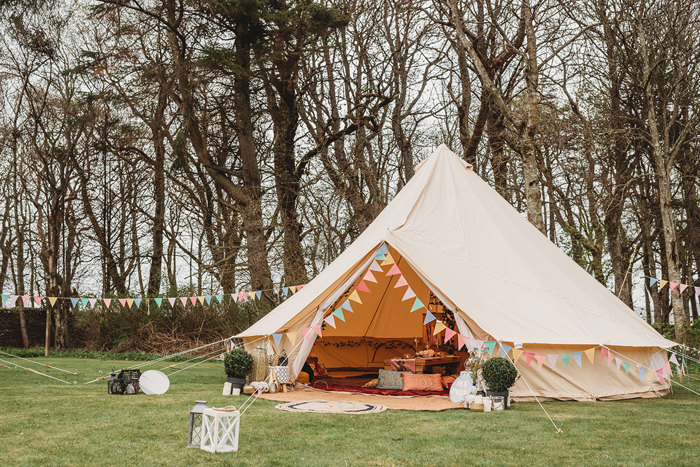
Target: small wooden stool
[220, 429]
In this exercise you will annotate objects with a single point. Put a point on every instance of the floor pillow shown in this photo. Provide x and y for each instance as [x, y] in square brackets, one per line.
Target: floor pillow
[390, 379]
[420, 382]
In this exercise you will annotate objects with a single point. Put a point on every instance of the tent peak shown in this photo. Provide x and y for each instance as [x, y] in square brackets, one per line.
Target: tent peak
[444, 154]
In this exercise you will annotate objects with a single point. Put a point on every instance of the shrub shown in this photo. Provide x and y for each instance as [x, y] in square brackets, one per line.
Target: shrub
[499, 374]
[238, 363]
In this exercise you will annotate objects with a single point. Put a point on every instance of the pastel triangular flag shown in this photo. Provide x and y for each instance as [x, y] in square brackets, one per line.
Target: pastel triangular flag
[258, 294]
[577, 358]
[697, 291]
[52, 301]
[409, 294]
[293, 288]
[74, 301]
[528, 357]
[652, 281]
[193, 300]
[300, 286]
[158, 301]
[672, 285]
[355, 297]
[171, 300]
[394, 270]
[565, 358]
[234, 297]
[388, 260]
[590, 354]
[137, 302]
[84, 301]
[37, 300]
[682, 288]
[603, 353]
[673, 358]
[650, 376]
[662, 283]
[375, 266]
[401, 282]
[552, 359]
[417, 305]
[26, 298]
[122, 302]
[439, 327]
[660, 374]
[540, 359]
[200, 298]
[3, 298]
[383, 249]
[362, 287]
[505, 349]
[93, 302]
[220, 298]
[476, 344]
[490, 345]
[642, 373]
[208, 298]
[611, 357]
[369, 277]
[107, 301]
[292, 336]
[618, 362]
[330, 320]
[428, 318]
[380, 257]
[285, 291]
[243, 297]
[627, 367]
[339, 314]
[129, 302]
[346, 306]
[516, 354]
[449, 334]
[184, 301]
[461, 341]
[277, 338]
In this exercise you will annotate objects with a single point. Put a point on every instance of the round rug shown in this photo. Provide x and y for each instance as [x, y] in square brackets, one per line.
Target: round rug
[321, 406]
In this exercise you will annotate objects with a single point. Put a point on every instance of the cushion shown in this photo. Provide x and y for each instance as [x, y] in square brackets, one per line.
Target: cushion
[303, 378]
[371, 384]
[418, 382]
[390, 379]
[447, 381]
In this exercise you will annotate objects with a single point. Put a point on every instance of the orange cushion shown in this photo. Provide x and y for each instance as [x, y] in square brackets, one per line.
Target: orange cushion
[303, 378]
[417, 382]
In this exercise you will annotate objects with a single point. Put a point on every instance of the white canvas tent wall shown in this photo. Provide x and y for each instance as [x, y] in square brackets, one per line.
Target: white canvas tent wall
[500, 276]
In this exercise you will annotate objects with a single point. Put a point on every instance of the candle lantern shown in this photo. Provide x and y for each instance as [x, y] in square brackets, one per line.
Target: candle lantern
[194, 436]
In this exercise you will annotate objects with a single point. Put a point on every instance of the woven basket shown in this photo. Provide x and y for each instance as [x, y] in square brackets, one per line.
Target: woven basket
[281, 373]
[260, 365]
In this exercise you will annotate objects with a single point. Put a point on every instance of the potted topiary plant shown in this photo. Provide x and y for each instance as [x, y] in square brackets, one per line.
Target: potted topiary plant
[499, 375]
[237, 364]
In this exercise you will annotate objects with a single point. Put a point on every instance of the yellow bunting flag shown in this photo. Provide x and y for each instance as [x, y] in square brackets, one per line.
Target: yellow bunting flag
[293, 288]
[662, 283]
[355, 297]
[129, 302]
[439, 327]
[590, 353]
[201, 299]
[516, 354]
[292, 336]
[388, 260]
[52, 300]
[650, 376]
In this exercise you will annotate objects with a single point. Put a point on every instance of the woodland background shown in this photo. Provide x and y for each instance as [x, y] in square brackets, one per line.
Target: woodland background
[184, 147]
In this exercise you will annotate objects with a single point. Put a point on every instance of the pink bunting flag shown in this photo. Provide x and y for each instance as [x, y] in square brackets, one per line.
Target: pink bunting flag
[193, 300]
[552, 357]
[375, 266]
[682, 288]
[317, 329]
[25, 299]
[477, 344]
[528, 357]
[461, 341]
[107, 301]
[611, 357]
[673, 358]
[401, 282]
[660, 374]
[307, 334]
[300, 286]
[409, 294]
[369, 277]
[122, 301]
[603, 353]
[667, 369]
[394, 270]
[243, 296]
[330, 320]
[449, 334]
[362, 287]
[540, 359]
[183, 300]
[672, 285]
[37, 300]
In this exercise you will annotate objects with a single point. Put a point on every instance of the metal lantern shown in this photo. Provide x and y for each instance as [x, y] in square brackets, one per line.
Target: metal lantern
[194, 436]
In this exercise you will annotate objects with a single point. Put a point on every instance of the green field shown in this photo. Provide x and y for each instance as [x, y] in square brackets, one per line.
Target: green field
[49, 423]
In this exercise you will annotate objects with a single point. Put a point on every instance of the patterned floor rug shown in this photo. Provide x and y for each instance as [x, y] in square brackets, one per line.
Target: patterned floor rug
[320, 406]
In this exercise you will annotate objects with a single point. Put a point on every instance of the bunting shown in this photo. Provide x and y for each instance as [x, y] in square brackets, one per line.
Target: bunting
[277, 338]
[428, 318]
[490, 346]
[449, 334]
[330, 320]
[362, 287]
[439, 327]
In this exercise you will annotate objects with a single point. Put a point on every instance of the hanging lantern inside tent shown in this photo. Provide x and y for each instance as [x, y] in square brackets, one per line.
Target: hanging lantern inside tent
[194, 435]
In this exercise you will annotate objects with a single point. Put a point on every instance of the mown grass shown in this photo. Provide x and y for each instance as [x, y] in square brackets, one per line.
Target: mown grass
[43, 422]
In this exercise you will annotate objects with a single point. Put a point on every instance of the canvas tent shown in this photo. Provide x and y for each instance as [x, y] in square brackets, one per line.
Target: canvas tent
[454, 236]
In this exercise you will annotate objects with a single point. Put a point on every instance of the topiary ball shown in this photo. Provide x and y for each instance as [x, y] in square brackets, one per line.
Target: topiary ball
[238, 363]
[499, 374]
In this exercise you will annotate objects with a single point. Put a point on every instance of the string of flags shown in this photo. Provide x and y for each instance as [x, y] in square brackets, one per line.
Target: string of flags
[9, 300]
[672, 285]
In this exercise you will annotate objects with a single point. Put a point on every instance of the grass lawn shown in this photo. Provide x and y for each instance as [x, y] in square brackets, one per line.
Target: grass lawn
[49, 423]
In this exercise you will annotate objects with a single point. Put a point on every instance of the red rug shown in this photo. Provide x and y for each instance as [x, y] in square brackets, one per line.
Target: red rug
[383, 392]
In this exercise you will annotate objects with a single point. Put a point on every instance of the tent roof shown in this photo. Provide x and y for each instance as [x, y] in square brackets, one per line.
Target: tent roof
[475, 249]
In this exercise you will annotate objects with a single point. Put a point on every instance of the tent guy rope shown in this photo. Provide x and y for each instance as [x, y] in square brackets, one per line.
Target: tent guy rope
[39, 363]
[31, 370]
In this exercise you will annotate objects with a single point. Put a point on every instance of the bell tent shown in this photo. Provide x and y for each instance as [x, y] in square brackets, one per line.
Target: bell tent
[450, 255]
